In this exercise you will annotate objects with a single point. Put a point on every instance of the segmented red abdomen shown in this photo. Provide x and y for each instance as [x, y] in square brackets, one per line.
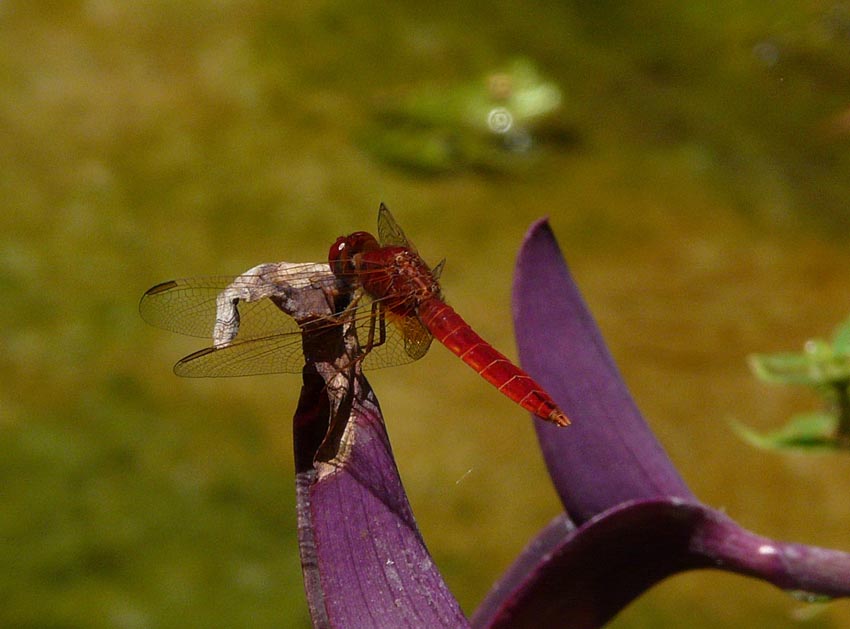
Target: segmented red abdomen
[451, 330]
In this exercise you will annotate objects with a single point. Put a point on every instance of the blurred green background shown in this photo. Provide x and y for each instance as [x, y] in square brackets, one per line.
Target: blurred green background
[702, 202]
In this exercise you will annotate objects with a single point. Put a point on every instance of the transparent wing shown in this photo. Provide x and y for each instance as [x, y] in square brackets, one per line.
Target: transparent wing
[268, 340]
[417, 338]
[189, 306]
[437, 271]
[405, 340]
[389, 231]
[265, 355]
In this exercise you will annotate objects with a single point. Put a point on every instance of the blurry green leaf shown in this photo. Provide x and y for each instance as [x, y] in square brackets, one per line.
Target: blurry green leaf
[811, 431]
[491, 124]
[819, 365]
[519, 89]
[417, 149]
[841, 338]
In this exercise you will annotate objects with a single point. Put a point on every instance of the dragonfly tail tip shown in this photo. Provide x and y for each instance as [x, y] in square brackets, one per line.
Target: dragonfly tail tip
[558, 418]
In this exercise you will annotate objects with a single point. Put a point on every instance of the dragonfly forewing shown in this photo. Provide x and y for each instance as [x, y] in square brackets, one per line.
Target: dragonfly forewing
[389, 231]
[192, 306]
[248, 319]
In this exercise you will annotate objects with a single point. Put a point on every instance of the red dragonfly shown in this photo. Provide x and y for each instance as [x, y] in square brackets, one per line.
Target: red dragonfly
[384, 281]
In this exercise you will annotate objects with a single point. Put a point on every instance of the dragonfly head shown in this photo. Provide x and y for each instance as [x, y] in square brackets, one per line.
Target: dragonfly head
[344, 254]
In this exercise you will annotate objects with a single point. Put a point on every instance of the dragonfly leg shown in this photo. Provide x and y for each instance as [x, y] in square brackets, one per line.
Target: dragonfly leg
[376, 315]
[341, 315]
[382, 326]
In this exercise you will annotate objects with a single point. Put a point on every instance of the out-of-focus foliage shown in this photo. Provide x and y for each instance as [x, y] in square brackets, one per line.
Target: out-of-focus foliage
[821, 364]
[824, 367]
[491, 124]
[814, 432]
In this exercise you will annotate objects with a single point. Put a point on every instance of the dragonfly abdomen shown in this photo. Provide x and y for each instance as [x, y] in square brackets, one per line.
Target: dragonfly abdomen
[457, 335]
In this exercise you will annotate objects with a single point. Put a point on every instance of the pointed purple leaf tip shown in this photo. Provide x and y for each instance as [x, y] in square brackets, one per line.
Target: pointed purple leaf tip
[608, 455]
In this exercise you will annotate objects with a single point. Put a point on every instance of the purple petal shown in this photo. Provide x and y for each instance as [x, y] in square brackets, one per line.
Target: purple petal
[583, 577]
[608, 455]
[364, 561]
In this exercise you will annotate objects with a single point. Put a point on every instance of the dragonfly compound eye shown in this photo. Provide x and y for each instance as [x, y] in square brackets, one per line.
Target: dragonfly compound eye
[342, 254]
[338, 253]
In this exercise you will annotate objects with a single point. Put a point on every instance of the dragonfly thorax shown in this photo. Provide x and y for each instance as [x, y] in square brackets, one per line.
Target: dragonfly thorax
[399, 277]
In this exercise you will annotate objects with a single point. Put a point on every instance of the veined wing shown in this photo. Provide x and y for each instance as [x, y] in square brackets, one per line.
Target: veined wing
[405, 340]
[389, 231]
[190, 306]
[416, 337]
[280, 353]
[268, 340]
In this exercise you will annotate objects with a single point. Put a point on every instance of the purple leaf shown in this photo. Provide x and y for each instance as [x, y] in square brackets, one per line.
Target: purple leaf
[638, 523]
[608, 455]
[585, 576]
[364, 561]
